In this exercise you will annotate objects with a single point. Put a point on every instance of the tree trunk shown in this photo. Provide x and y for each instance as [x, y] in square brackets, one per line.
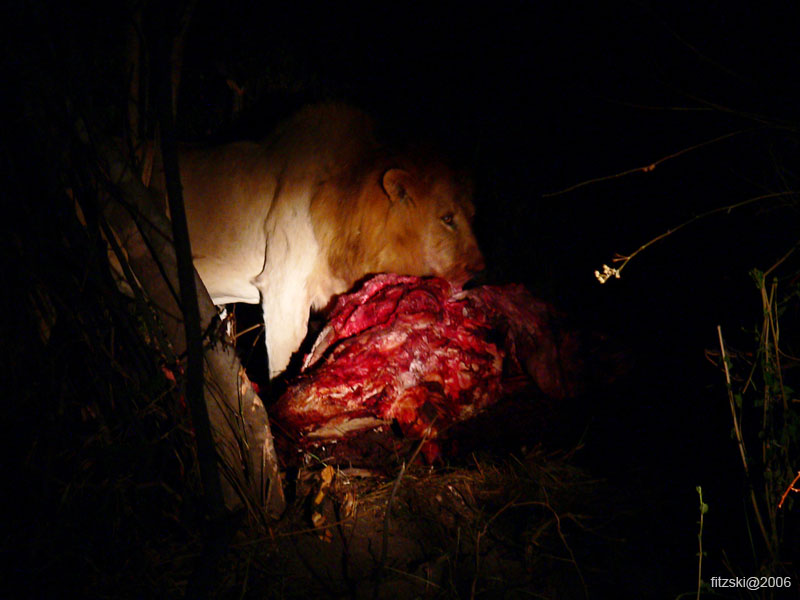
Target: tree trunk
[247, 461]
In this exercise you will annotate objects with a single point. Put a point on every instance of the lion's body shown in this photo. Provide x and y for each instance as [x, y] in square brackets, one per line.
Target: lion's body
[301, 217]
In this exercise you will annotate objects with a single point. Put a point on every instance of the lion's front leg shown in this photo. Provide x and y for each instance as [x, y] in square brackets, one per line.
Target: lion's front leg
[285, 328]
[285, 282]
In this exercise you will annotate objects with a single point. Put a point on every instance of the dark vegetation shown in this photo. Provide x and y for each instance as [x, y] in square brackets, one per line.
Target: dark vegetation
[594, 496]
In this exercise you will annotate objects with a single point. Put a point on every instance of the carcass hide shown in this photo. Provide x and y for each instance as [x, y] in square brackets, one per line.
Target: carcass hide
[425, 355]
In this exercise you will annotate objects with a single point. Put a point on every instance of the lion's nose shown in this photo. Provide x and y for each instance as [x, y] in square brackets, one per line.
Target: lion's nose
[476, 264]
[476, 270]
[479, 265]
[477, 279]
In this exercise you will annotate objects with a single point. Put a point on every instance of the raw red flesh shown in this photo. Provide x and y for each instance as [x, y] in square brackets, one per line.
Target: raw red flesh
[426, 355]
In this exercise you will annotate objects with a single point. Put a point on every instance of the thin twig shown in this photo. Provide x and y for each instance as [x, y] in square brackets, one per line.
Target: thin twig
[390, 501]
[736, 428]
[556, 516]
[740, 440]
[791, 488]
[781, 260]
[703, 510]
[478, 544]
[608, 272]
[647, 168]
[566, 545]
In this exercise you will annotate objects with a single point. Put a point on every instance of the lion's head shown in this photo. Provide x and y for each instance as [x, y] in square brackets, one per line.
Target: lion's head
[401, 216]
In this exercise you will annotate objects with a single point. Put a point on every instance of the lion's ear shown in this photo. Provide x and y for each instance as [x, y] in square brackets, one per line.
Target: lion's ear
[396, 184]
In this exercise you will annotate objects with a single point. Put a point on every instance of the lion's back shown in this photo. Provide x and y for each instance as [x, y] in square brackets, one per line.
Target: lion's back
[322, 141]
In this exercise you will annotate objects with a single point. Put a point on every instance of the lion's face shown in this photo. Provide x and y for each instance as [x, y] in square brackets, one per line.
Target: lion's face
[414, 220]
[428, 230]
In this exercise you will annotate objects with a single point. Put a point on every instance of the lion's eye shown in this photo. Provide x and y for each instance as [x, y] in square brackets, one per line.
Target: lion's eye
[449, 219]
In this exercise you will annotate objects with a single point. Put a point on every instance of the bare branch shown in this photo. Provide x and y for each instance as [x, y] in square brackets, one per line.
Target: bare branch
[647, 168]
[625, 259]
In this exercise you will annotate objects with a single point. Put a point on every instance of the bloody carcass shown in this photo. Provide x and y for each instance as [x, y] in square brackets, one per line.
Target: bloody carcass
[425, 355]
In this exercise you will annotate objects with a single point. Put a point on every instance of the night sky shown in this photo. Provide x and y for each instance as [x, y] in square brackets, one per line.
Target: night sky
[535, 98]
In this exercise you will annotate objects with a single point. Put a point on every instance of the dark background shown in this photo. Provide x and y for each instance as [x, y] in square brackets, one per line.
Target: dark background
[534, 98]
